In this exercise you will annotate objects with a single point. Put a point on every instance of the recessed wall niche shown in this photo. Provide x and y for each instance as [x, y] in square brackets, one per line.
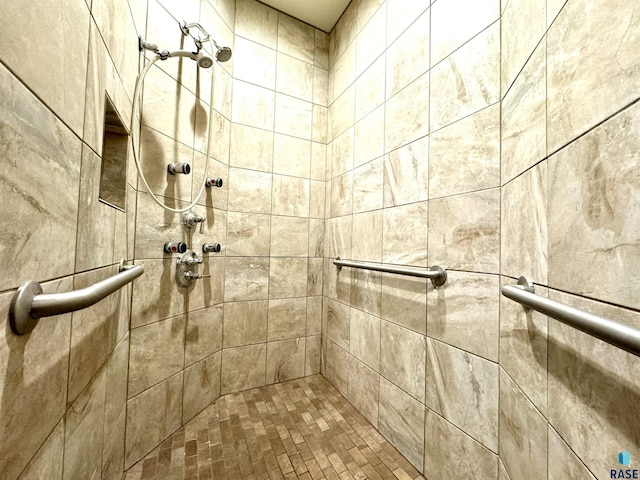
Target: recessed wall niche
[113, 174]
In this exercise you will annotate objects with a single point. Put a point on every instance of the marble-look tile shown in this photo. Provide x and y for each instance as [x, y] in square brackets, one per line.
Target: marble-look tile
[523, 457]
[465, 156]
[320, 125]
[203, 334]
[41, 203]
[220, 129]
[407, 115]
[345, 30]
[371, 40]
[156, 295]
[291, 156]
[367, 236]
[316, 237]
[84, 431]
[96, 220]
[401, 421]
[294, 77]
[116, 378]
[252, 105]
[338, 284]
[289, 236]
[243, 367]
[95, 331]
[364, 390]
[369, 140]
[63, 87]
[594, 215]
[251, 148]
[404, 301]
[465, 313]
[315, 276]
[364, 338]
[402, 358]
[365, 10]
[113, 450]
[48, 462]
[406, 174]
[318, 161]
[337, 367]
[157, 352]
[293, 117]
[591, 56]
[246, 279]
[151, 417]
[408, 57]
[208, 291]
[177, 121]
[593, 387]
[477, 16]
[248, 234]
[341, 152]
[290, 196]
[155, 226]
[405, 235]
[502, 472]
[257, 22]
[245, 323]
[312, 355]
[157, 150]
[370, 89]
[553, 9]
[468, 80]
[296, 38]
[338, 321]
[524, 127]
[343, 72]
[524, 229]
[464, 231]
[523, 25]
[339, 236]
[222, 91]
[341, 114]
[366, 290]
[287, 318]
[254, 63]
[251, 191]
[463, 388]
[401, 14]
[285, 360]
[201, 385]
[314, 316]
[563, 463]
[449, 453]
[287, 277]
[321, 58]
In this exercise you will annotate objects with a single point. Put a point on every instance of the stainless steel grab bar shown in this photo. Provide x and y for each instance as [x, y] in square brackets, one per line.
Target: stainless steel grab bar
[437, 274]
[29, 304]
[622, 336]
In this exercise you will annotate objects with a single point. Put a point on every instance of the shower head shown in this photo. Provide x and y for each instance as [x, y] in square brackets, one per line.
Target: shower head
[223, 54]
[204, 61]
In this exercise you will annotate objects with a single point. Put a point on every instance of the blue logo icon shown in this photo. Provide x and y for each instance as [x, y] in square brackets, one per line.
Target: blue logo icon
[624, 458]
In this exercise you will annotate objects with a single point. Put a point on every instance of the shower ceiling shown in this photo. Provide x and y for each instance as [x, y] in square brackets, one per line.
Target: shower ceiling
[322, 14]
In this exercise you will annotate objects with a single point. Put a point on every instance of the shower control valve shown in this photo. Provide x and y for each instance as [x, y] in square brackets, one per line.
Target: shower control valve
[190, 219]
[211, 248]
[194, 276]
[214, 182]
[176, 168]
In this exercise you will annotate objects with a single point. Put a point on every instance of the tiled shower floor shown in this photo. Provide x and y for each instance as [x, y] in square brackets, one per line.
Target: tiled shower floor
[298, 429]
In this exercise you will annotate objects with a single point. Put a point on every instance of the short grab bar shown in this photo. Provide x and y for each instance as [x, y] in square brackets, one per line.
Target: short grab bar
[621, 336]
[437, 274]
[29, 304]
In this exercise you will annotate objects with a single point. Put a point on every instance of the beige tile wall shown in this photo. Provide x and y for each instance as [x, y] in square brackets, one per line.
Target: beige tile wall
[495, 139]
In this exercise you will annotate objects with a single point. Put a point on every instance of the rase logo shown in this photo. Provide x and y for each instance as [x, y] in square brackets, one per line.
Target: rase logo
[624, 459]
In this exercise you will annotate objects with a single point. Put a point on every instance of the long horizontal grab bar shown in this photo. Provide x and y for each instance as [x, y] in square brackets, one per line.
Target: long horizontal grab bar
[437, 274]
[29, 304]
[622, 336]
